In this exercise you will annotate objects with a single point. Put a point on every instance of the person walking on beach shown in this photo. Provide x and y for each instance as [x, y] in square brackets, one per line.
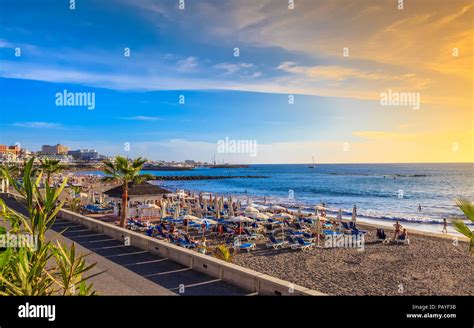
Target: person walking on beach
[445, 226]
[397, 227]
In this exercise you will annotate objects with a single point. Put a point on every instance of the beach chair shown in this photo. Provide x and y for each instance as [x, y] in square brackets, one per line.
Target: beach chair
[382, 237]
[252, 235]
[296, 233]
[246, 247]
[300, 227]
[403, 240]
[275, 244]
[308, 237]
[186, 244]
[303, 245]
[331, 232]
[291, 242]
[357, 231]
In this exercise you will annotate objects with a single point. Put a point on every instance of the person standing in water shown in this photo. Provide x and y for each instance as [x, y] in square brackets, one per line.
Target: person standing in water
[445, 226]
[419, 207]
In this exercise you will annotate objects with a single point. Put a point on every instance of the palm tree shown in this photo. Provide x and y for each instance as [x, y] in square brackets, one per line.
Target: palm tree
[124, 171]
[467, 207]
[50, 166]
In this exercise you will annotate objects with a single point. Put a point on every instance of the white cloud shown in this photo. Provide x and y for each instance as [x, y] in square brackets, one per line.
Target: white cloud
[38, 125]
[187, 65]
[141, 118]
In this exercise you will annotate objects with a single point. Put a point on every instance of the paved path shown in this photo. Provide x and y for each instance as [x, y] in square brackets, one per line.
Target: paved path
[129, 270]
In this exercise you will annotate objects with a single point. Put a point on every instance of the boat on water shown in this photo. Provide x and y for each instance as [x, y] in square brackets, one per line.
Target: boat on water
[313, 165]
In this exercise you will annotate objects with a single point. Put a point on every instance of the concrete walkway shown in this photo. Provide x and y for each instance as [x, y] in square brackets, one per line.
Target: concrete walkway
[129, 270]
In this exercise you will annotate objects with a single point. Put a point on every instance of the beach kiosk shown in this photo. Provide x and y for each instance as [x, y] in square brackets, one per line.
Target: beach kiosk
[141, 198]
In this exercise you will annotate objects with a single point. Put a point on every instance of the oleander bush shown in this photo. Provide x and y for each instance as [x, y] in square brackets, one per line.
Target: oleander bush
[42, 267]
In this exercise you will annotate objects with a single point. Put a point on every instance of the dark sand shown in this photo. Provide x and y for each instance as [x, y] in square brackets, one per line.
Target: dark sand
[428, 266]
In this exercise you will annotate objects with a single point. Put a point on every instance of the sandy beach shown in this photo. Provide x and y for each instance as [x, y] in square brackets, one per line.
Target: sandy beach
[428, 266]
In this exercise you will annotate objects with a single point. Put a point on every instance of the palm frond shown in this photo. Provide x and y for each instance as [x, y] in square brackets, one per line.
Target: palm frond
[467, 207]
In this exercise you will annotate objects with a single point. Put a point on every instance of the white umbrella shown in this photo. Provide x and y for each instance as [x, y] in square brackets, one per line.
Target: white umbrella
[240, 219]
[251, 209]
[163, 210]
[318, 229]
[256, 215]
[216, 207]
[276, 208]
[198, 209]
[193, 218]
[205, 207]
[339, 217]
[231, 209]
[354, 214]
[177, 210]
[282, 216]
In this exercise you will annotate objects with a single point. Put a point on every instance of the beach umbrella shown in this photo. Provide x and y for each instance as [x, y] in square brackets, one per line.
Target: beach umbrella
[198, 209]
[282, 216]
[318, 229]
[231, 210]
[163, 210]
[276, 208]
[205, 206]
[192, 218]
[240, 219]
[216, 207]
[354, 214]
[177, 210]
[339, 217]
[256, 215]
[250, 209]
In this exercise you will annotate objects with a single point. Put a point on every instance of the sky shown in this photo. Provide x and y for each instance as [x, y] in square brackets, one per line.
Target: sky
[297, 83]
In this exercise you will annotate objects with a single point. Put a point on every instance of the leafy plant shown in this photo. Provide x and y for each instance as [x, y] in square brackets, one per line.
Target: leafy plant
[40, 268]
[76, 202]
[50, 166]
[222, 252]
[467, 207]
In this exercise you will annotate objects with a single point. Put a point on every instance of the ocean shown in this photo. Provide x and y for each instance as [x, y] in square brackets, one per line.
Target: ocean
[382, 192]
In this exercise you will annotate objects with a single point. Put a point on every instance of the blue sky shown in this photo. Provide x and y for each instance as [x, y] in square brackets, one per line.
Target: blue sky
[191, 52]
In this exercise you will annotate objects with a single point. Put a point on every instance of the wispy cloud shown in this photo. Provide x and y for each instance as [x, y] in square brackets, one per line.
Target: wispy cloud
[187, 65]
[232, 68]
[141, 118]
[37, 125]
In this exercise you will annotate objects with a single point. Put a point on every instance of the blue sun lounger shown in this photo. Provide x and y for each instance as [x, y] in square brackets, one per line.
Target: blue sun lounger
[186, 244]
[247, 247]
[275, 244]
[303, 245]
